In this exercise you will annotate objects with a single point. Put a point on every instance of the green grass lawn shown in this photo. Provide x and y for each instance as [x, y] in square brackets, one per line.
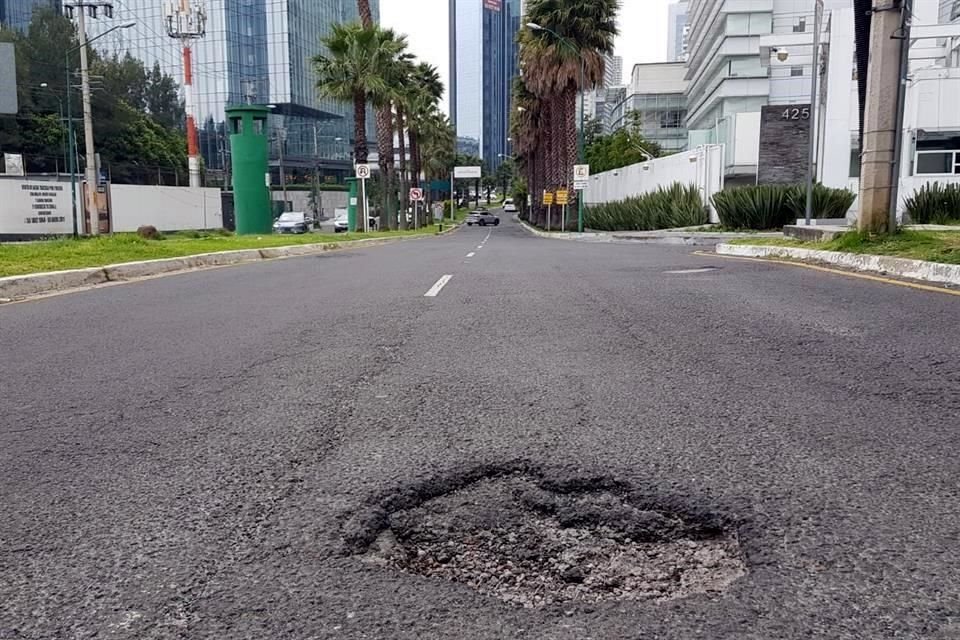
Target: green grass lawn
[933, 246]
[56, 255]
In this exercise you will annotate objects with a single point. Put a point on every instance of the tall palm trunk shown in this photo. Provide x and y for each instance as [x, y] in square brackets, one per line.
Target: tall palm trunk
[366, 16]
[416, 162]
[360, 149]
[388, 218]
[404, 189]
[570, 147]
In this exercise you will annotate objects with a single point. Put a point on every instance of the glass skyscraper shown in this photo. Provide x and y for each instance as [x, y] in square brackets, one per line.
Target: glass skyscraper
[16, 14]
[254, 52]
[484, 60]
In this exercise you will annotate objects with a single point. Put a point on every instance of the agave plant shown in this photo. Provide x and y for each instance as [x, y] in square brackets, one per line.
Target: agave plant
[934, 204]
[668, 207]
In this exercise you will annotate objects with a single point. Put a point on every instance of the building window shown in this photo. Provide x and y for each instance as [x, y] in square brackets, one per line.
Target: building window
[671, 120]
[800, 26]
[796, 71]
[938, 162]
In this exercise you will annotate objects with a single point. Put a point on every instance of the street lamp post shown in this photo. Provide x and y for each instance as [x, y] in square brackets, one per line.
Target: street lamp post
[82, 47]
[581, 151]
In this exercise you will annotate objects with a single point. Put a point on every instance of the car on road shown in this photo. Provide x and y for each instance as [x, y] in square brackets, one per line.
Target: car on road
[342, 225]
[482, 218]
[509, 206]
[293, 222]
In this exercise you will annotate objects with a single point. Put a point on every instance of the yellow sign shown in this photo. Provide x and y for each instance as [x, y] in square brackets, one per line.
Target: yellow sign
[548, 198]
[563, 197]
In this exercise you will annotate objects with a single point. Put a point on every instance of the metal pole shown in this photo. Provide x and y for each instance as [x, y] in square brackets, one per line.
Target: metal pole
[452, 198]
[193, 147]
[581, 142]
[814, 77]
[901, 107]
[72, 142]
[283, 173]
[91, 160]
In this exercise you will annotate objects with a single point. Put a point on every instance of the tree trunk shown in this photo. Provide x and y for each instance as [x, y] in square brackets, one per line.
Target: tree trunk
[416, 164]
[404, 190]
[570, 151]
[366, 16]
[360, 150]
[388, 219]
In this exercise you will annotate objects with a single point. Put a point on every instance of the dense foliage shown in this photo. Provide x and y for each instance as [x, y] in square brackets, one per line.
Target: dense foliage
[666, 208]
[137, 112]
[621, 148]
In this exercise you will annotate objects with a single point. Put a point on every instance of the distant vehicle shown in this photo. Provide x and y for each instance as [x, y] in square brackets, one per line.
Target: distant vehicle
[341, 224]
[293, 222]
[481, 218]
[509, 206]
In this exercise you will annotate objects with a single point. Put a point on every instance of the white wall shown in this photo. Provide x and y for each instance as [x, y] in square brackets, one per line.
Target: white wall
[35, 207]
[702, 166]
[166, 208]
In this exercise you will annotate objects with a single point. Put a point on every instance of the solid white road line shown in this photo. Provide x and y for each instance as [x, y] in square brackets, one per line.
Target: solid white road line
[688, 271]
[471, 254]
[438, 287]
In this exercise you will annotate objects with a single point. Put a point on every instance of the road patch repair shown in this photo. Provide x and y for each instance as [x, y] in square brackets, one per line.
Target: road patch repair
[535, 542]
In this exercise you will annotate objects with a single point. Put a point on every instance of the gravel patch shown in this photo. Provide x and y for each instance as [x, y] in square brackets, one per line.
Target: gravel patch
[514, 539]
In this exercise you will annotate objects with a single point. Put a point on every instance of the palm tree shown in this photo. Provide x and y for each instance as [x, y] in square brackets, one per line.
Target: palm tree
[392, 70]
[352, 71]
[425, 94]
[366, 16]
[570, 33]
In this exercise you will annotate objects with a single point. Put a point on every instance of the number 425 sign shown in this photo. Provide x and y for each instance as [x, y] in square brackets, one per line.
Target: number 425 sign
[796, 113]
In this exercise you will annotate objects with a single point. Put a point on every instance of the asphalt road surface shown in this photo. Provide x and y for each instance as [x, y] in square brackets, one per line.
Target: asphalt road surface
[193, 456]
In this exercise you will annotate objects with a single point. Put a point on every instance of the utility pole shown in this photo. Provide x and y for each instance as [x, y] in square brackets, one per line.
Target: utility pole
[814, 99]
[187, 21]
[78, 8]
[878, 182]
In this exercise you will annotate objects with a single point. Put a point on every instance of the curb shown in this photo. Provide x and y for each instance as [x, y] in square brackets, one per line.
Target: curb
[684, 237]
[36, 284]
[884, 265]
[564, 235]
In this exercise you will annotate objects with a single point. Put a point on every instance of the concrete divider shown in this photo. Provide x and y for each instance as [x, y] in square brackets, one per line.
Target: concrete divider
[25, 286]
[884, 265]
[13, 287]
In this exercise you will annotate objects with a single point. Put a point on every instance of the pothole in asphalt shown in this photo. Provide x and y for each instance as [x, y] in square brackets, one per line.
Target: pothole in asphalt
[534, 543]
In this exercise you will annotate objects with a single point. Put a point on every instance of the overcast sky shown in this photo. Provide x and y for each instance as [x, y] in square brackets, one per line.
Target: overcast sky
[643, 30]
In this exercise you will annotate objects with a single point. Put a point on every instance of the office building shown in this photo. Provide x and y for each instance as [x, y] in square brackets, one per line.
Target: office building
[254, 52]
[613, 72]
[678, 32]
[484, 60]
[654, 104]
[16, 14]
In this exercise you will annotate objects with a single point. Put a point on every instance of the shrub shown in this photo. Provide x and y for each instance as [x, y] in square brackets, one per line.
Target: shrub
[771, 206]
[148, 232]
[665, 208]
[934, 204]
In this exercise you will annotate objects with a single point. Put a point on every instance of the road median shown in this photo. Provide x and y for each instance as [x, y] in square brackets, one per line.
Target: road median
[935, 272]
[23, 286]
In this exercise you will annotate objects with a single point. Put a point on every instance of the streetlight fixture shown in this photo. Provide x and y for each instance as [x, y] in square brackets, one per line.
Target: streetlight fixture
[533, 26]
[87, 121]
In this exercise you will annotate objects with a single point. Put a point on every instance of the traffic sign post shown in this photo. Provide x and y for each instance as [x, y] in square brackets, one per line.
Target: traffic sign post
[363, 173]
[548, 201]
[581, 177]
[563, 199]
[416, 197]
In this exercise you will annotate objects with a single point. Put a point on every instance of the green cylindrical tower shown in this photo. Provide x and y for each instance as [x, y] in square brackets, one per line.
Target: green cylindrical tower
[248, 147]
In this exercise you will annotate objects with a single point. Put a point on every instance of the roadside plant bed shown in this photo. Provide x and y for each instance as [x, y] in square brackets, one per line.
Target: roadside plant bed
[22, 258]
[665, 208]
[531, 544]
[934, 204]
[931, 246]
[764, 207]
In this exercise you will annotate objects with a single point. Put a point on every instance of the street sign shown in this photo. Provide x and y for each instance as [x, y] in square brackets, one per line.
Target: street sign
[580, 185]
[581, 172]
[8, 80]
[13, 162]
[548, 198]
[363, 171]
[416, 195]
[468, 172]
[563, 197]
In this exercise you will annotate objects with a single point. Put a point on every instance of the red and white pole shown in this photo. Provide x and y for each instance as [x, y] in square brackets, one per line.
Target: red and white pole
[193, 144]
